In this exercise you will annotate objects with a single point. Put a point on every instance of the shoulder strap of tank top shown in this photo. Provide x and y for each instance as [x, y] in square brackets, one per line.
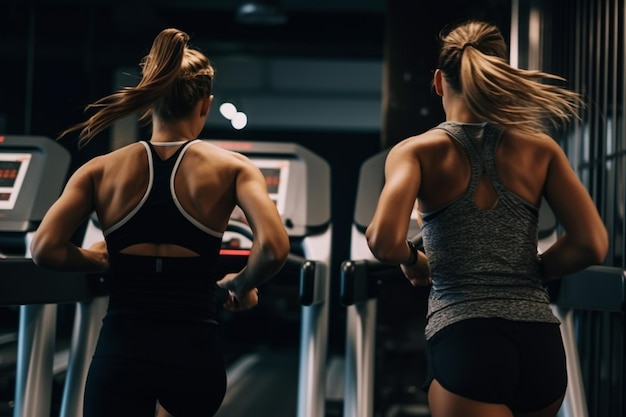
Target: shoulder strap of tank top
[179, 156]
[492, 138]
[472, 147]
[182, 210]
[121, 222]
[174, 157]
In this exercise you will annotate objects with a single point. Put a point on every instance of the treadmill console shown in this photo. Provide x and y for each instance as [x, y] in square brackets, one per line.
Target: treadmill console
[276, 173]
[13, 167]
[297, 180]
[33, 171]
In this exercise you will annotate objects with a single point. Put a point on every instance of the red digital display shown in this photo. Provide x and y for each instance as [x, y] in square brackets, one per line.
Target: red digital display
[13, 167]
[272, 179]
[234, 252]
[8, 172]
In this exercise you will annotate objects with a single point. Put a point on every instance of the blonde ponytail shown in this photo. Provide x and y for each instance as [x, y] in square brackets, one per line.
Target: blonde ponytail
[174, 77]
[473, 61]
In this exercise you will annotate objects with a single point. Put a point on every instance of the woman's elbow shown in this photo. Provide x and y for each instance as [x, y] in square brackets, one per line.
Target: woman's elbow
[42, 253]
[380, 249]
[281, 253]
[39, 256]
[278, 251]
[599, 245]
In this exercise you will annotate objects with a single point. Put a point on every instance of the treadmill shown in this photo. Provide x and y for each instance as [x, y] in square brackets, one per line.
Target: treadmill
[590, 304]
[33, 171]
[290, 381]
[381, 378]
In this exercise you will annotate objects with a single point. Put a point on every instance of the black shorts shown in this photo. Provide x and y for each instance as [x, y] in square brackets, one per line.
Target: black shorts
[519, 364]
[139, 361]
[130, 387]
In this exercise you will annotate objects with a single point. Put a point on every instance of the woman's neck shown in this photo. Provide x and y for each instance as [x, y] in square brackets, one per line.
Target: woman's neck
[177, 131]
[168, 143]
[458, 111]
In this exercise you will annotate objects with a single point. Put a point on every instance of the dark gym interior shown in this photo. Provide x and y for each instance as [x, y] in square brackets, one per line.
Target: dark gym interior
[282, 56]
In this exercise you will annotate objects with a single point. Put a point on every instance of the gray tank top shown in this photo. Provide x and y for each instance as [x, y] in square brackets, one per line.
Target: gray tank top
[483, 262]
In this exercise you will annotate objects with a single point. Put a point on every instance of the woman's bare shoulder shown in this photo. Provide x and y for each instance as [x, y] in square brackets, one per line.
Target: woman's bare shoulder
[540, 144]
[113, 160]
[128, 151]
[428, 144]
[218, 155]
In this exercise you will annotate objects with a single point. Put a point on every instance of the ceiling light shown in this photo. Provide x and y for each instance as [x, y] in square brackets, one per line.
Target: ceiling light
[261, 12]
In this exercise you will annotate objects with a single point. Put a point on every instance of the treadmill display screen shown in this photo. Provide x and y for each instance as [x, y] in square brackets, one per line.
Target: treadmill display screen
[276, 173]
[13, 167]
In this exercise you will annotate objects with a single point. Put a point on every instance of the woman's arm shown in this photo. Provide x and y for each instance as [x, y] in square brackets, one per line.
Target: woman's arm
[270, 243]
[387, 232]
[585, 238]
[51, 246]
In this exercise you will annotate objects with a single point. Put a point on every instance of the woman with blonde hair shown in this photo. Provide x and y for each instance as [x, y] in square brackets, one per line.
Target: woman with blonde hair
[494, 347]
[163, 204]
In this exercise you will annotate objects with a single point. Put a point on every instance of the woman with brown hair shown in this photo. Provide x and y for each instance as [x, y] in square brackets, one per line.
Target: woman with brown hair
[163, 204]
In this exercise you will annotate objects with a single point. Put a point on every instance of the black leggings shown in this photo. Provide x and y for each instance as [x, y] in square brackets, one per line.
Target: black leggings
[138, 362]
[519, 364]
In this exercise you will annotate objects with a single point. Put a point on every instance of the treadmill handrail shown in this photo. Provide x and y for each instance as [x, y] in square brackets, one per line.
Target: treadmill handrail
[24, 282]
[357, 283]
[596, 288]
[312, 279]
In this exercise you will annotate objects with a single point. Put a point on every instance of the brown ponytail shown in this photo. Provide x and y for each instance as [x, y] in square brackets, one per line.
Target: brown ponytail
[174, 78]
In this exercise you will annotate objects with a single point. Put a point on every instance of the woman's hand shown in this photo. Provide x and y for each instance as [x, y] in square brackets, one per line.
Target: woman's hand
[418, 274]
[415, 276]
[100, 248]
[238, 301]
